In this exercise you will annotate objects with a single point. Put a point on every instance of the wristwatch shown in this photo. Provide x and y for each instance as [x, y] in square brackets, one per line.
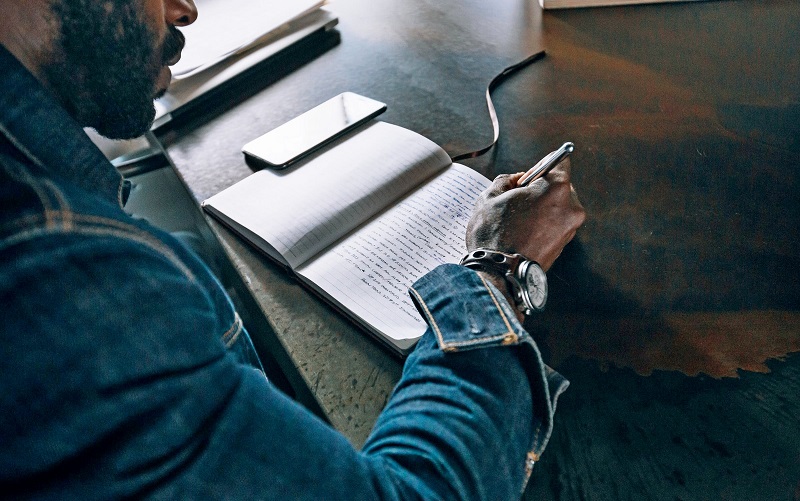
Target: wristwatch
[526, 279]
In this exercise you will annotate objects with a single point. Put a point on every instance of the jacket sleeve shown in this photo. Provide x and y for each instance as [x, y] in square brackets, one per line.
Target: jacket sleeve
[125, 389]
[469, 417]
[474, 408]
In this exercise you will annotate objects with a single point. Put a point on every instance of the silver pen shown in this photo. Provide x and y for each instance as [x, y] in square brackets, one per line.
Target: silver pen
[544, 165]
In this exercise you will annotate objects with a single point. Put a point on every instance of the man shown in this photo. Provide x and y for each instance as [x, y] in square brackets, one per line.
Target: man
[127, 372]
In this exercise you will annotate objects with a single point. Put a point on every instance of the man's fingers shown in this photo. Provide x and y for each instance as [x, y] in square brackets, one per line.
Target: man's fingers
[502, 184]
[561, 172]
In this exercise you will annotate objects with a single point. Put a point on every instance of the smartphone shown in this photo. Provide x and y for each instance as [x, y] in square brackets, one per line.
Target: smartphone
[288, 143]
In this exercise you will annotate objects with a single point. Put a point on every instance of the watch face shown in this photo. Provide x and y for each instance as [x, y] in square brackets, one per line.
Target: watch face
[536, 285]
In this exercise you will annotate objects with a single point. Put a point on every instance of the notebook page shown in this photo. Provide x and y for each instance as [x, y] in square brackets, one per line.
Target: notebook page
[301, 210]
[369, 272]
[227, 26]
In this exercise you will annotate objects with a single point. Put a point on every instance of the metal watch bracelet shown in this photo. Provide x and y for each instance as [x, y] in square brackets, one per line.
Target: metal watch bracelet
[512, 267]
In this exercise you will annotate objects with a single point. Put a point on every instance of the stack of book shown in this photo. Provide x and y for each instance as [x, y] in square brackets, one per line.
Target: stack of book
[232, 37]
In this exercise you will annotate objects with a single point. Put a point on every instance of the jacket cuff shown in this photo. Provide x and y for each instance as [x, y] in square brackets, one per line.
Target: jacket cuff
[465, 312]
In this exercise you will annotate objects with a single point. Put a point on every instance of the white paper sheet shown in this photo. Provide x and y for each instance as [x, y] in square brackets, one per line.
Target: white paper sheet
[225, 27]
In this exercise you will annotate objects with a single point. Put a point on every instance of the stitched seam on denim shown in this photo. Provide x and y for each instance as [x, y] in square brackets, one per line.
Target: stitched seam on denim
[65, 212]
[530, 462]
[478, 341]
[87, 218]
[430, 317]
[536, 433]
[497, 305]
[21, 147]
[551, 412]
[33, 158]
[156, 243]
[25, 177]
[232, 334]
[559, 391]
[454, 344]
[128, 232]
[23, 222]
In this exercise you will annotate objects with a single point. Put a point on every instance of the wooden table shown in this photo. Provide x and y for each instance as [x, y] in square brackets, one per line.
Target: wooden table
[675, 310]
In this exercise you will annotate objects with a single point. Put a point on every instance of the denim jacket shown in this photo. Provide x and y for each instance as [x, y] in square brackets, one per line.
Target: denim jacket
[126, 370]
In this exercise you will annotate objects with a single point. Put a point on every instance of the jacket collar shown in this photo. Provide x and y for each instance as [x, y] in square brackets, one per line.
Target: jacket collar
[34, 122]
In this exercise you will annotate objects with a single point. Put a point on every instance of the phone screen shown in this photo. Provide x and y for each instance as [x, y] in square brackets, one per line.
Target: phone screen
[301, 135]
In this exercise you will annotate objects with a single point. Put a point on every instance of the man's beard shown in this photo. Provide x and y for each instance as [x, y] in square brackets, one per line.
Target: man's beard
[106, 65]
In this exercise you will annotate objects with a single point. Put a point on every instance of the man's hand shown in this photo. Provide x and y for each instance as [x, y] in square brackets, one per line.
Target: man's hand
[536, 221]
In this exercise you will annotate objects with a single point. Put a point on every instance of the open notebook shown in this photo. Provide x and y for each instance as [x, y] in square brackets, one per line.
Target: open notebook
[360, 221]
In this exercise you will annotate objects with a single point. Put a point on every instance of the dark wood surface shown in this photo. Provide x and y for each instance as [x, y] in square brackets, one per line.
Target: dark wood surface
[676, 311]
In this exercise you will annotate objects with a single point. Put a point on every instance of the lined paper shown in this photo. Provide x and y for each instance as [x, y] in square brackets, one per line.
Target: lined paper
[369, 272]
